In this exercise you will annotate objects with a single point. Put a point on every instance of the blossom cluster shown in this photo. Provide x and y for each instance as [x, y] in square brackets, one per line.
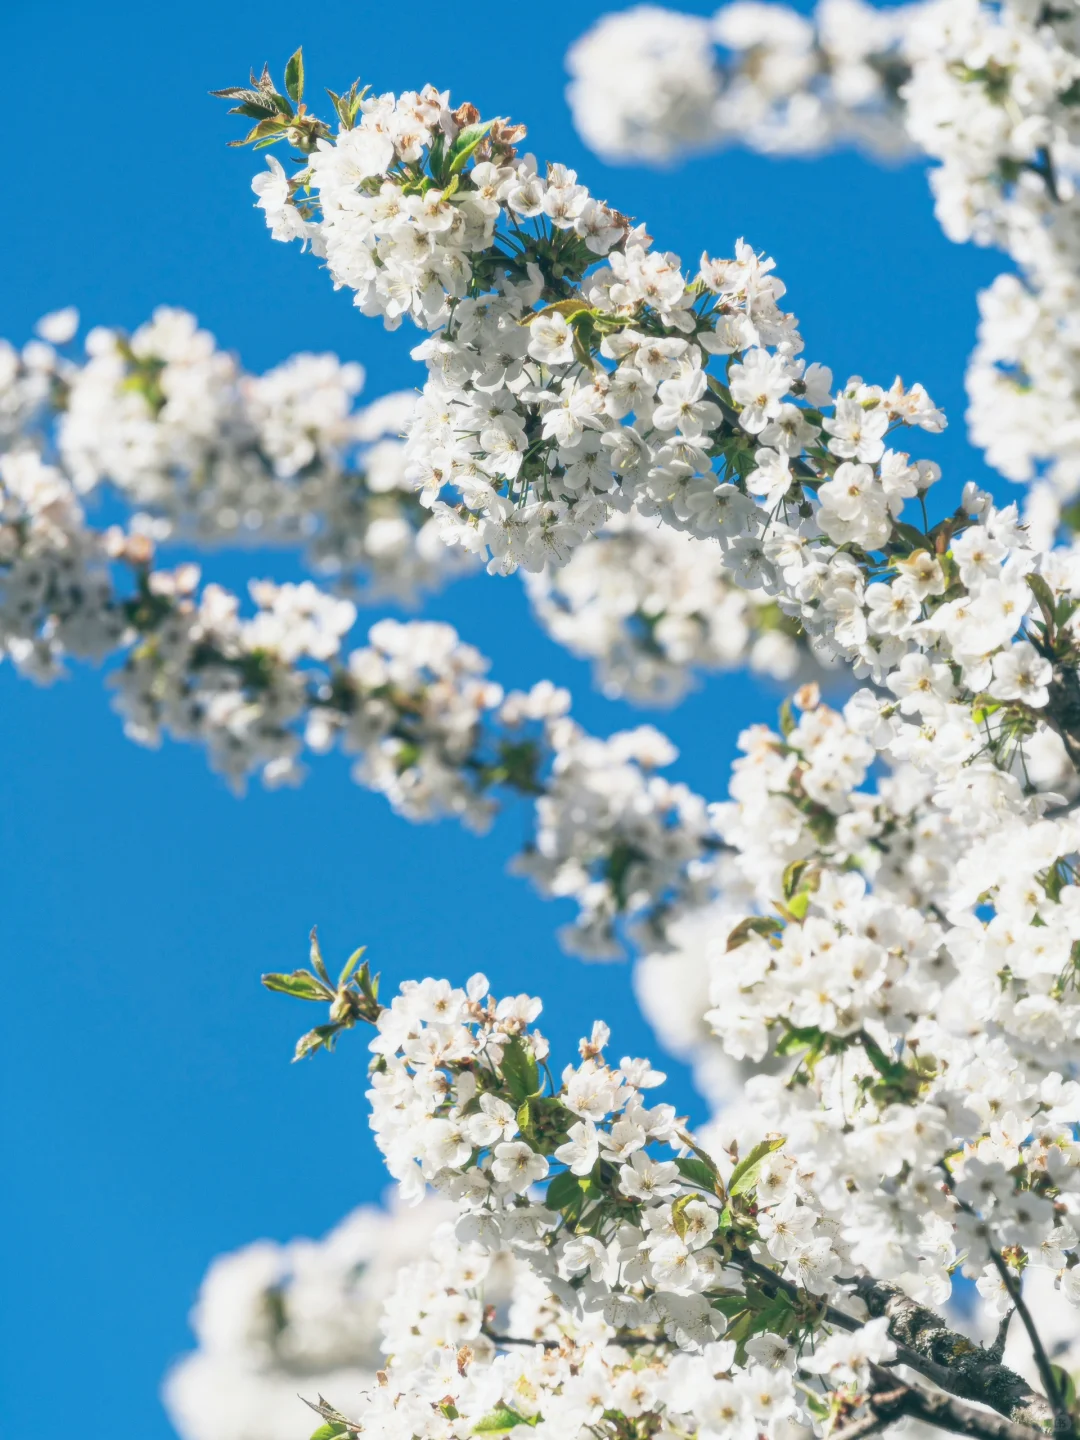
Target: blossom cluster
[808, 500]
[716, 1295]
[271, 1319]
[259, 688]
[884, 906]
[652, 606]
[649, 83]
[988, 91]
[204, 453]
[540, 423]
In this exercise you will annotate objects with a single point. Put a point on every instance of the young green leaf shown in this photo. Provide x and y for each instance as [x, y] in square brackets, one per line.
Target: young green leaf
[520, 1069]
[350, 965]
[294, 76]
[465, 145]
[564, 1190]
[752, 925]
[301, 984]
[697, 1172]
[744, 1176]
[318, 964]
[498, 1421]
[1043, 595]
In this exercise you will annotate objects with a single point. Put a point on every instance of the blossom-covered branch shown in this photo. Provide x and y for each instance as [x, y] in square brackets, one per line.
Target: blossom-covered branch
[741, 1256]
[989, 91]
[206, 454]
[415, 708]
[209, 456]
[895, 967]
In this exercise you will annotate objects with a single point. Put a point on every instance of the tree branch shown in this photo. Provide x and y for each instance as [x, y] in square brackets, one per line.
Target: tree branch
[887, 1402]
[959, 1366]
[925, 1344]
[1063, 711]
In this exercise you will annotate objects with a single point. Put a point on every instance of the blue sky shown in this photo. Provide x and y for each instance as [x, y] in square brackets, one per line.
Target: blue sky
[152, 1119]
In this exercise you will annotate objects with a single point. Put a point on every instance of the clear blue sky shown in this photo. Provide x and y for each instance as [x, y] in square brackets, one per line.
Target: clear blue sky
[151, 1117]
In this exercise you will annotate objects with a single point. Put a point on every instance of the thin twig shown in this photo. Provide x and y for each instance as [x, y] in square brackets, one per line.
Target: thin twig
[517, 1339]
[1063, 1421]
[884, 1408]
[997, 1350]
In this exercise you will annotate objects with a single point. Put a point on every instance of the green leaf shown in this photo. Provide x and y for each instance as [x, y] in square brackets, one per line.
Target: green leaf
[805, 1037]
[798, 905]
[697, 1172]
[913, 539]
[752, 925]
[744, 1176]
[776, 1316]
[498, 1421]
[323, 1037]
[315, 956]
[887, 1068]
[564, 1190]
[792, 877]
[1043, 595]
[294, 76]
[466, 143]
[729, 1305]
[437, 156]
[266, 132]
[568, 309]
[520, 1070]
[1066, 1386]
[739, 1331]
[253, 110]
[678, 1214]
[350, 965]
[787, 719]
[301, 984]
[330, 1432]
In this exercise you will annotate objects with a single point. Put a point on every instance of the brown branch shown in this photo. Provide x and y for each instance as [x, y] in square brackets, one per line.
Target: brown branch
[516, 1339]
[959, 1366]
[1062, 712]
[925, 1344]
[924, 1364]
[1001, 1339]
[627, 1340]
[889, 1402]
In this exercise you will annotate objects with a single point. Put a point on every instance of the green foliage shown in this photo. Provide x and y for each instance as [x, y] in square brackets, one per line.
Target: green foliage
[499, 1420]
[301, 985]
[294, 76]
[745, 1175]
[354, 996]
[520, 1070]
[697, 1172]
[766, 925]
[563, 1192]
[465, 146]
[274, 113]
